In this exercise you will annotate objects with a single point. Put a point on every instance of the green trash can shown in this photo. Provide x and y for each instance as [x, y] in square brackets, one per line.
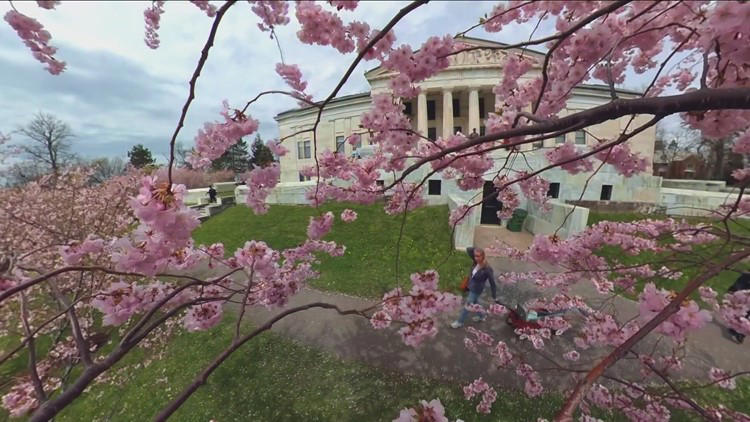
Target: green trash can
[515, 224]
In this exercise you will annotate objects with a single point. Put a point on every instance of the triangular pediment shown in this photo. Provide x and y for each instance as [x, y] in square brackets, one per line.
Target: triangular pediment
[492, 55]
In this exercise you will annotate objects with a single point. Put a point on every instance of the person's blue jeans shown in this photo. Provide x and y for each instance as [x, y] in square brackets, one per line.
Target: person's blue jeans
[472, 298]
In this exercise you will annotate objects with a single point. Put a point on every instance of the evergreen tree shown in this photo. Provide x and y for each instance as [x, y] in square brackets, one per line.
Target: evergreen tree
[236, 158]
[140, 156]
[262, 155]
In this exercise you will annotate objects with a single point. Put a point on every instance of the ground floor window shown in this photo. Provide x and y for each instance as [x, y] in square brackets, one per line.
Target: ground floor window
[434, 187]
[432, 133]
[606, 193]
[554, 190]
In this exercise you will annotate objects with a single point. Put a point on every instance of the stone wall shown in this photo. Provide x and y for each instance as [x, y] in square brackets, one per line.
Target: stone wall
[702, 185]
[568, 218]
[621, 206]
[688, 202]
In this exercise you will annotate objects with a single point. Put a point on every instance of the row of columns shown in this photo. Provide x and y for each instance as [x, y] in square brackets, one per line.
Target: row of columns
[474, 117]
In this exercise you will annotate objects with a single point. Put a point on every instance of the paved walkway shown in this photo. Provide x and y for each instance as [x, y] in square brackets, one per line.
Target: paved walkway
[351, 337]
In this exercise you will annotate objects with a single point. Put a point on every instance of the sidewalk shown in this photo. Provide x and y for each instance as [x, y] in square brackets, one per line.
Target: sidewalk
[445, 356]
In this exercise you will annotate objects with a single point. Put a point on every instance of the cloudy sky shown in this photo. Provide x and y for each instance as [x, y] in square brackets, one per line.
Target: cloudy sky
[116, 92]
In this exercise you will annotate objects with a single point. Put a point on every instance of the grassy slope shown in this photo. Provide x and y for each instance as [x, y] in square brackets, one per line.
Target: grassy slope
[719, 283]
[273, 379]
[368, 267]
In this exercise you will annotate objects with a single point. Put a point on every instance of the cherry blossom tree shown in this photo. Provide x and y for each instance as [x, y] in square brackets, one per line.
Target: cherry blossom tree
[136, 274]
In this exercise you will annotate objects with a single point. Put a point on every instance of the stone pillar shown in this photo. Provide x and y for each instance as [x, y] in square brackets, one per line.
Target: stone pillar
[447, 113]
[475, 120]
[422, 114]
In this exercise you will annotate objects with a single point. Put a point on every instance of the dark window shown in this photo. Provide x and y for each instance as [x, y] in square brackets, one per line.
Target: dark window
[301, 177]
[340, 142]
[538, 144]
[482, 130]
[380, 183]
[433, 187]
[407, 108]
[456, 108]
[432, 133]
[481, 108]
[457, 129]
[580, 137]
[303, 149]
[560, 139]
[430, 109]
[554, 190]
[606, 193]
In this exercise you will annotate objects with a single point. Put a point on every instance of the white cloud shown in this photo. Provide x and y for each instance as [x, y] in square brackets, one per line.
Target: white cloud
[117, 92]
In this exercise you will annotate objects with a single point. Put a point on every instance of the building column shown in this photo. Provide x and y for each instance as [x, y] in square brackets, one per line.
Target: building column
[475, 120]
[447, 113]
[422, 114]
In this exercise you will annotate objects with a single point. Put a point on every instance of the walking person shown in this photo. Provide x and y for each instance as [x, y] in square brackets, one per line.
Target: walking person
[742, 283]
[481, 273]
[211, 194]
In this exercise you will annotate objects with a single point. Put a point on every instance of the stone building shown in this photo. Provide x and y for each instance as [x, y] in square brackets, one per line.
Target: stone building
[458, 99]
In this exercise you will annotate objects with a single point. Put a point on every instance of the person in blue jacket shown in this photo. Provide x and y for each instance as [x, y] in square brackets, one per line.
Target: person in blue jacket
[481, 273]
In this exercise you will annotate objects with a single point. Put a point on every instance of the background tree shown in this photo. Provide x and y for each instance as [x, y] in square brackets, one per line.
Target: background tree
[49, 142]
[236, 158]
[106, 168]
[140, 156]
[262, 155]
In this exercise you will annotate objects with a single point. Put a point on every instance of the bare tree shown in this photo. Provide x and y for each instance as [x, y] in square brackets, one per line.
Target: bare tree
[50, 141]
[107, 168]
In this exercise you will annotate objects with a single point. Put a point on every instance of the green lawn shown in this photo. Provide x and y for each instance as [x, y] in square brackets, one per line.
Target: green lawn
[273, 379]
[369, 267]
[719, 283]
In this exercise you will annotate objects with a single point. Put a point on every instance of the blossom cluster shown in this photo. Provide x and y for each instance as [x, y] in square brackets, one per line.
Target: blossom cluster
[36, 38]
[215, 138]
[417, 310]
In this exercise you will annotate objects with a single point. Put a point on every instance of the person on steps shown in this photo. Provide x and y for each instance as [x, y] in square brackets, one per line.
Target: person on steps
[742, 283]
[481, 273]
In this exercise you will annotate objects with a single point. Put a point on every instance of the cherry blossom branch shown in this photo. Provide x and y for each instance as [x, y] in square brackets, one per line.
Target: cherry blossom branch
[564, 35]
[291, 94]
[201, 378]
[701, 411]
[699, 100]
[493, 17]
[15, 289]
[81, 344]
[33, 373]
[193, 80]
[571, 404]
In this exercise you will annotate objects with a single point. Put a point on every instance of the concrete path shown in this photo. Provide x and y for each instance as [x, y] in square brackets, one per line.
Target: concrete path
[352, 337]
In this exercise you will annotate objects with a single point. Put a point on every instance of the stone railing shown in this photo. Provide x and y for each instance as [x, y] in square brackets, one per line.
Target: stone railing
[618, 206]
[565, 219]
[687, 202]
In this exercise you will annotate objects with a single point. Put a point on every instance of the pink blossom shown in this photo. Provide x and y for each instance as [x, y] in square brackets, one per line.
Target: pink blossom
[47, 4]
[276, 148]
[432, 411]
[572, 355]
[203, 316]
[293, 77]
[271, 12]
[348, 216]
[205, 6]
[489, 395]
[36, 38]
[354, 139]
[724, 378]
[260, 181]
[380, 320]
[215, 138]
[565, 152]
[72, 253]
[623, 160]
[344, 4]
[320, 226]
[152, 16]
